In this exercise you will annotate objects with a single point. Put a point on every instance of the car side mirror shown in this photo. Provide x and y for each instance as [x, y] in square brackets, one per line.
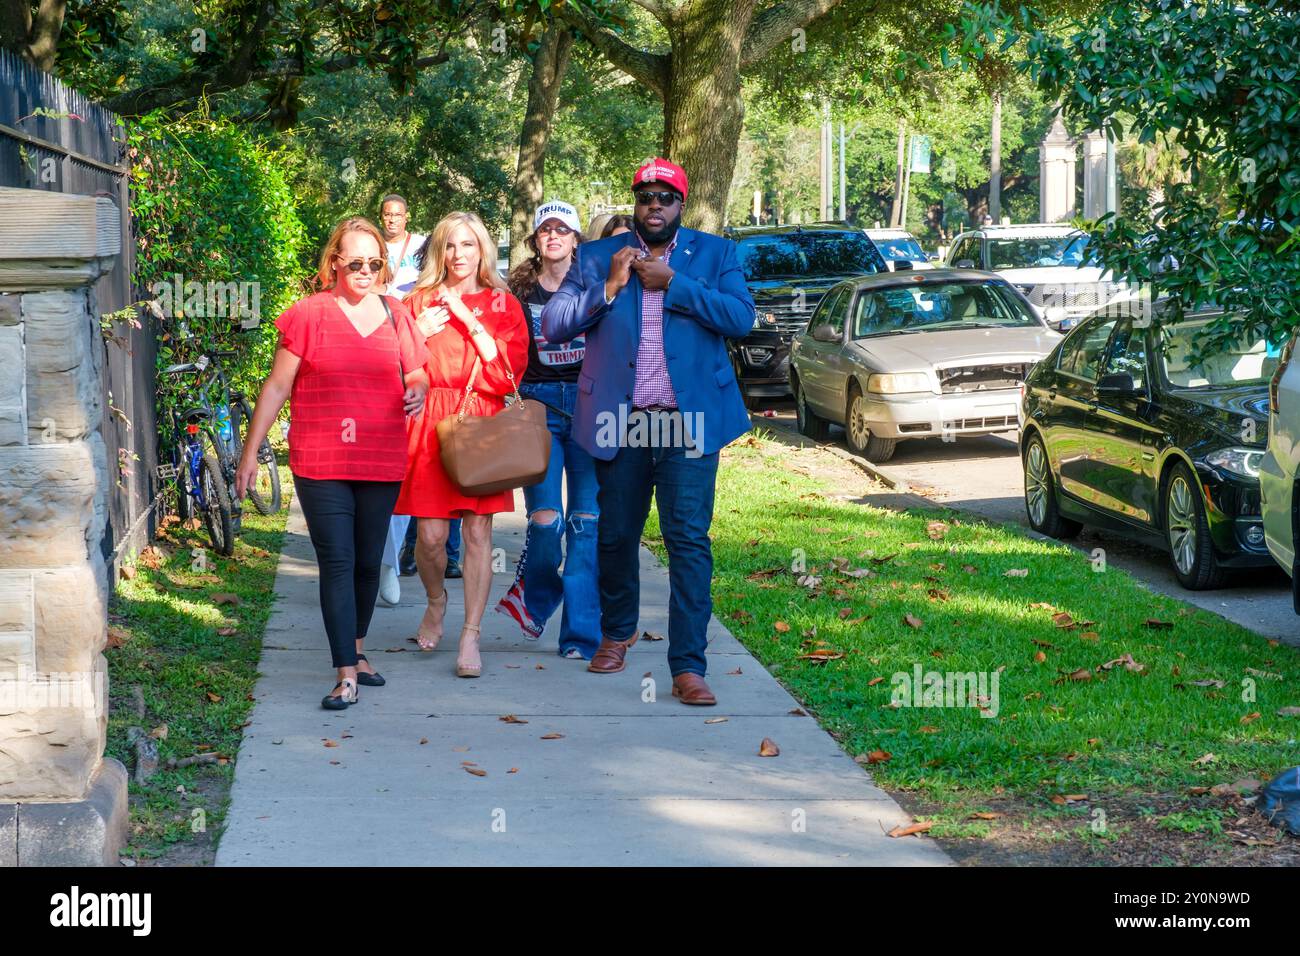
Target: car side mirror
[824, 333]
[1119, 383]
[965, 263]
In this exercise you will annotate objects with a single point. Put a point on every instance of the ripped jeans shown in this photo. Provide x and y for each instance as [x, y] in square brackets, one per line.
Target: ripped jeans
[540, 585]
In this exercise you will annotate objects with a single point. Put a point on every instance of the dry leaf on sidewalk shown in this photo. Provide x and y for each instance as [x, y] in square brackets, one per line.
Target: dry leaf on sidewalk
[912, 830]
[768, 748]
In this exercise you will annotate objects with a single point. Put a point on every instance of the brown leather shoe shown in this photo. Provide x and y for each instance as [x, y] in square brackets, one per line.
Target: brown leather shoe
[691, 689]
[608, 658]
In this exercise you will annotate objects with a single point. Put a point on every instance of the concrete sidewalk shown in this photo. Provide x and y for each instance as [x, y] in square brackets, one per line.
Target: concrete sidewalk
[629, 782]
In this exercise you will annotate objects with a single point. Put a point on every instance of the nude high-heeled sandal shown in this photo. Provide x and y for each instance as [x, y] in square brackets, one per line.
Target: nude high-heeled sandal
[464, 669]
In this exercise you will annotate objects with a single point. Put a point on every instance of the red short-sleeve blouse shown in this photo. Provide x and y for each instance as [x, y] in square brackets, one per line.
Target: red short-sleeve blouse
[347, 419]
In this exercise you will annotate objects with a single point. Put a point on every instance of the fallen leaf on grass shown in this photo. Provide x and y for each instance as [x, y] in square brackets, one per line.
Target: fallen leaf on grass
[1063, 619]
[821, 657]
[1016, 573]
[765, 574]
[1257, 673]
[1158, 625]
[126, 571]
[1251, 717]
[984, 815]
[1127, 661]
[782, 627]
[927, 730]
[1081, 674]
[912, 621]
[224, 597]
[970, 569]
[875, 756]
[1207, 683]
[227, 631]
[1040, 657]
[1089, 636]
[159, 732]
[912, 830]
[215, 698]
[1289, 712]
[768, 748]
[1064, 798]
[936, 530]
[874, 681]
[743, 616]
[118, 636]
[1204, 760]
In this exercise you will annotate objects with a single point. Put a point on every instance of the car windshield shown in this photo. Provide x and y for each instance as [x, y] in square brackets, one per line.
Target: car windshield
[803, 255]
[904, 248]
[1027, 252]
[933, 307]
[1246, 362]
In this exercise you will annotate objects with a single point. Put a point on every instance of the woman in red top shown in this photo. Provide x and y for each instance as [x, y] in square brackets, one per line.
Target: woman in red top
[352, 361]
[464, 309]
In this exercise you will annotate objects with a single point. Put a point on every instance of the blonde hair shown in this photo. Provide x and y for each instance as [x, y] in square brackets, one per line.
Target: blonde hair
[433, 271]
[325, 271]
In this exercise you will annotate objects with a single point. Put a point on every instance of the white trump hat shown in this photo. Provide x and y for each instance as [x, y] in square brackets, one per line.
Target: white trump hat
[557, 210]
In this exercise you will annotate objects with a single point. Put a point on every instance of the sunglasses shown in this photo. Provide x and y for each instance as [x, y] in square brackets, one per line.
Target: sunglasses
[558, 230]
[646, 196]
[356, 265]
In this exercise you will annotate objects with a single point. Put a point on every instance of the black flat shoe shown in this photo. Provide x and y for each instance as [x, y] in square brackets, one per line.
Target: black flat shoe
[453, 570]
[344, 700]
[369, 680]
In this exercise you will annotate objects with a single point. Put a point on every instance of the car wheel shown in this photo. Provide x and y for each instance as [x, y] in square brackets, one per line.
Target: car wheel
[1187, 532]
[811, 424]
[856, 430]
[1040, 495]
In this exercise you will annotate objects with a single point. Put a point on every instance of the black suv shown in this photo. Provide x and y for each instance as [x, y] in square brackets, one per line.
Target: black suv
[788, 269]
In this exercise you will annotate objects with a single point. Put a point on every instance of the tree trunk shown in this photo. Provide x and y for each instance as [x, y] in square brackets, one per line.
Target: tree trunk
[35, 39]
[896, 209]
[703, 109]
[549, 63]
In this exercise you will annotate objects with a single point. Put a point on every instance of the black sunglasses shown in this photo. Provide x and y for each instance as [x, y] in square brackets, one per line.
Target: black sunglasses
[646, 196]
[356, 264]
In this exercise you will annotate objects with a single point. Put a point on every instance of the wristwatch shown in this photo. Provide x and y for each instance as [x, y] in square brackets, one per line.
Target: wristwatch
[477, 329]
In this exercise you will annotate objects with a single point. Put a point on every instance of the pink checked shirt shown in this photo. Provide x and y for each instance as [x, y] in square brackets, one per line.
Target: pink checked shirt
[653, 386]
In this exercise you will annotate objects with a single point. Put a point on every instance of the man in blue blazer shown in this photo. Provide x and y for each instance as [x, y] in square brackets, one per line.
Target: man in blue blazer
[657, 400]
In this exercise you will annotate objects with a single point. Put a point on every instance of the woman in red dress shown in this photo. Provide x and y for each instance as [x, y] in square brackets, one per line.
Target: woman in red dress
[465, 310]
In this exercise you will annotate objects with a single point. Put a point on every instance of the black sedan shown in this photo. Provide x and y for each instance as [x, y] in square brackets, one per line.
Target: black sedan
[1124, 428]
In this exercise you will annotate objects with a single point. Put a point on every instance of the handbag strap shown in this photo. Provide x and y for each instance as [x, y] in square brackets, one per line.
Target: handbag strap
[401, 374]
[469, 384]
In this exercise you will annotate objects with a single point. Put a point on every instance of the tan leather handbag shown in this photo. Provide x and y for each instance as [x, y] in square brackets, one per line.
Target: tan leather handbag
[484, 454]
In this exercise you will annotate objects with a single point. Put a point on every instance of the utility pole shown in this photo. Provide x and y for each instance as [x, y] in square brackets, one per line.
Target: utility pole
[1112, 184]
[995, 161]
[824, 161]
[844, 209]
[895, 212]
[907, 188]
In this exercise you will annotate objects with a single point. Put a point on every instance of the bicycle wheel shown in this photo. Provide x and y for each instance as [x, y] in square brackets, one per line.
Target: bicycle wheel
[217, 515]
[265, 492]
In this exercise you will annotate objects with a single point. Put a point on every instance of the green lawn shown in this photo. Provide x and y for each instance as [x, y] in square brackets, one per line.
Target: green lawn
[195, 679]
[1055, 733]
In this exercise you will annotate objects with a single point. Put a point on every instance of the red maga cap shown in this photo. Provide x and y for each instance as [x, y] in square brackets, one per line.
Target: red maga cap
[660, 170]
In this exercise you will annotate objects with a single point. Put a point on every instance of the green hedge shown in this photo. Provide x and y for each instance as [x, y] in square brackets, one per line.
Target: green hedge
[212, 204]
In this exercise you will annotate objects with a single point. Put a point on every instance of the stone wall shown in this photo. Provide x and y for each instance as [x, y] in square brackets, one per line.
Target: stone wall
[53, 493]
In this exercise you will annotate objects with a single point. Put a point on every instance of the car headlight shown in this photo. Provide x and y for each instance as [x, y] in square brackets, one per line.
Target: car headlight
[890, 383]
[1239, 461]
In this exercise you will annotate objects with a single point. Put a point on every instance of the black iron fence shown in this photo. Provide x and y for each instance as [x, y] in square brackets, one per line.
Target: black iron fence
[54, 138]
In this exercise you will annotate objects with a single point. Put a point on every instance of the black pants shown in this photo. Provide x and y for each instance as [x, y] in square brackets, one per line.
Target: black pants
[348, 522]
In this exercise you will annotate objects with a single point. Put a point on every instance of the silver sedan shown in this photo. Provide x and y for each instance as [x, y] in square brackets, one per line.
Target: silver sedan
[914, 355]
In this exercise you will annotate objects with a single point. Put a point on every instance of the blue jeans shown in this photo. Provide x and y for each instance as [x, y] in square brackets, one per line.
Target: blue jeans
[683, 487]
[453, 538]
[539, 586]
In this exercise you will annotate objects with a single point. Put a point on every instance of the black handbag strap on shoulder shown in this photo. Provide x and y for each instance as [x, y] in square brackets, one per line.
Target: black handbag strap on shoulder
[401, 374]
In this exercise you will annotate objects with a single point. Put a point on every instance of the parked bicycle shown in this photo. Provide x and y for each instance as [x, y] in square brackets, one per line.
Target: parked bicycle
[205, 446]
